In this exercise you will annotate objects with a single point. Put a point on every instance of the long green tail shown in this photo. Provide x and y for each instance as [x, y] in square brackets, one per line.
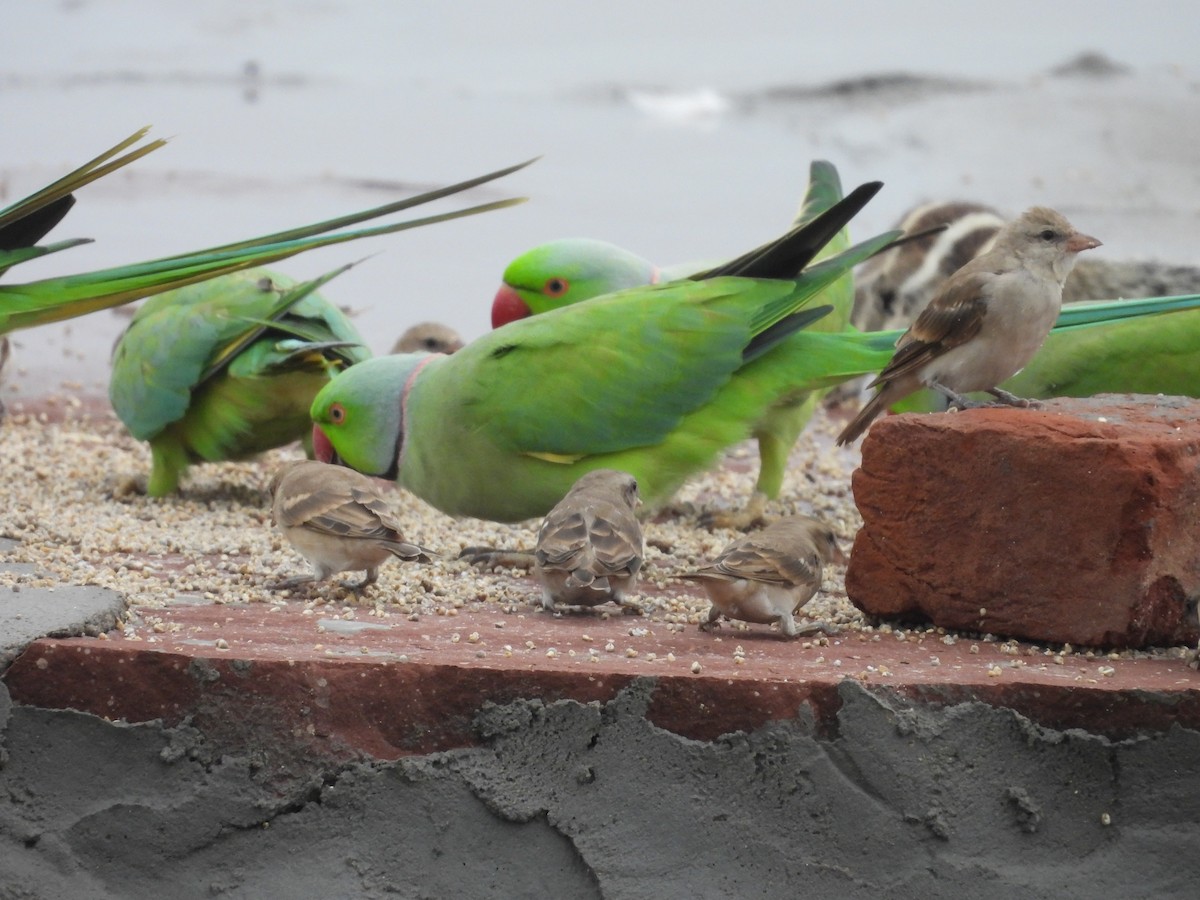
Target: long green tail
[55, 299]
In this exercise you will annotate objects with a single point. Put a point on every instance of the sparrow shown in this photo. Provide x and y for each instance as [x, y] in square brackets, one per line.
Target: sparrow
[338, 520]
[987, 320]
[589, 548]
[892, 287]
[430, 337]
[767, 576]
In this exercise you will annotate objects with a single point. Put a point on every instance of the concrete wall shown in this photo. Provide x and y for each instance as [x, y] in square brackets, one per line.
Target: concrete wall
[571, 800]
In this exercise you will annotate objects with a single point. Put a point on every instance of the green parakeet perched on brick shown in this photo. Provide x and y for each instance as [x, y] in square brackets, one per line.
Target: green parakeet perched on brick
[569, 271]
[227, 368]
[654, 381]
[27, 221]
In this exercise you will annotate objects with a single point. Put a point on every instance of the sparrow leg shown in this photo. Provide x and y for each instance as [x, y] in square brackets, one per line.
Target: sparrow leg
[956, 399]
[491, 558]
[711, 622]
[787, 624]
[1013, 400]
[628, 607]
[295, 581]
[371, 577]
[812, 627]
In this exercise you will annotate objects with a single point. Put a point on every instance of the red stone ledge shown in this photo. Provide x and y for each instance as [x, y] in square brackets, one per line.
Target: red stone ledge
[275, 681]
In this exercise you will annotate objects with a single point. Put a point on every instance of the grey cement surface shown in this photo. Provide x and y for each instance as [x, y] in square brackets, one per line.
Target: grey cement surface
[28, 613]
[567, 800]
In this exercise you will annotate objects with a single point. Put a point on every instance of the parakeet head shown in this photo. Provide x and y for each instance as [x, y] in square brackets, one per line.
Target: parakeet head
[564, 272]
[358, 418]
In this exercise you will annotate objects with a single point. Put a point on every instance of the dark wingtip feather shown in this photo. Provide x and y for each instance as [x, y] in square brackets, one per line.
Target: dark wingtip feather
[786, 256]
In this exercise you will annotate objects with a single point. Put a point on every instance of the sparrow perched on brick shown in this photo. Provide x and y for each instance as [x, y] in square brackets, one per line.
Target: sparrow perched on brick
[892, 287]
[338, 520]
[589, 548]
[986, 322]
[768, 575]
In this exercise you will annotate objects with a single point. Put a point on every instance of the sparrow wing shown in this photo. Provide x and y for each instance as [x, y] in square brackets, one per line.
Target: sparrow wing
[952, 318]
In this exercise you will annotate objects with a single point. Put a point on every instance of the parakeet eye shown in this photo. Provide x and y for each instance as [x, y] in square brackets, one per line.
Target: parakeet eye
[555, 287]
[337, 414]
[1048, 234]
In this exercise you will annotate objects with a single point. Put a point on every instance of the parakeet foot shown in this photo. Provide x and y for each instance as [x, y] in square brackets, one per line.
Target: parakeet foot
[749, 517]
[491, 558]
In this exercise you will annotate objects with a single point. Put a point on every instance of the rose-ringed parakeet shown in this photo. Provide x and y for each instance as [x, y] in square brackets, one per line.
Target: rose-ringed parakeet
[654, 381]
[25, 222]
[563, 272]
[227, 368]
[28, 220]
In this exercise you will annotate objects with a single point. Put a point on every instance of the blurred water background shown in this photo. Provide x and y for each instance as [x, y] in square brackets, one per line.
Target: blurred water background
[681, 130]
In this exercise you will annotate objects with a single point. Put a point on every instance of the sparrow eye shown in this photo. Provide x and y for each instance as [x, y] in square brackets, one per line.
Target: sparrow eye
[337, 414]
[555, 287]
[1048, 234]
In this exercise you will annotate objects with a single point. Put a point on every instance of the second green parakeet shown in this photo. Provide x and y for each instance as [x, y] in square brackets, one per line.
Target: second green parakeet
[654, 381]
[569, 271]
[227, 368]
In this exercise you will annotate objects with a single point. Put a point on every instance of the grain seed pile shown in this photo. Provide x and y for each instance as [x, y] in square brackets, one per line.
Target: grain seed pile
[73, 503]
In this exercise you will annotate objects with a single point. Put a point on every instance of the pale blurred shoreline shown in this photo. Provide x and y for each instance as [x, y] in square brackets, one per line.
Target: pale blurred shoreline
[281, 113]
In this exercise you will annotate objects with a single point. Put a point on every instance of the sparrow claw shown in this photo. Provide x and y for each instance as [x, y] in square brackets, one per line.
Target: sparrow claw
[492, 558]
[1013, 400]
[815, 627]
[288, 584]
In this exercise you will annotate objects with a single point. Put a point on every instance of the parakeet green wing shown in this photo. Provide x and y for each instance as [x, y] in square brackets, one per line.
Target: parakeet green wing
[179, 340]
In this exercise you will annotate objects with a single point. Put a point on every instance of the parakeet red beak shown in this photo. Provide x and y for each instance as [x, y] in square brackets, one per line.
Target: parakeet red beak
[508, 307]
[322, 448]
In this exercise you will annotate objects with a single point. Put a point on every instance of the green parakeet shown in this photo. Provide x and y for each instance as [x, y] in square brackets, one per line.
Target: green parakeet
[654, 381]
[563, 272]
[227, 368]
[25, 222]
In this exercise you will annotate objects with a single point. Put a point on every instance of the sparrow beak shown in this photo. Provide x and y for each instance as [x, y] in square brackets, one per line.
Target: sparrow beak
[1078, 242]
